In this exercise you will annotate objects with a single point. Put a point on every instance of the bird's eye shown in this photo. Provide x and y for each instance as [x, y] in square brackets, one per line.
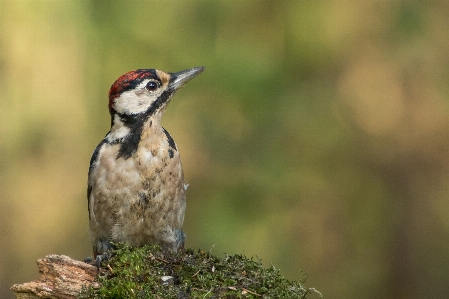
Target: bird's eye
[152, 86]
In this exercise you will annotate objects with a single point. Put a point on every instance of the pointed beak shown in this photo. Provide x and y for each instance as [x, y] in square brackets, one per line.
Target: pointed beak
[180, 78]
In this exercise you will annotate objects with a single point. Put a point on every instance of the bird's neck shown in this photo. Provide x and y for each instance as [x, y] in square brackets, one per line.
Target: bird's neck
[125, 127]
[128, 130]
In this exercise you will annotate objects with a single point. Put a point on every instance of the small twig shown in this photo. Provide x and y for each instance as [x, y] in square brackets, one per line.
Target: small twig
[196, 273]
[110, 268]
[245, 290]
[161, 260]
[316, 291]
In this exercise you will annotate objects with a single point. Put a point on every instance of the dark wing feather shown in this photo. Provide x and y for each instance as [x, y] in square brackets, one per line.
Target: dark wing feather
[93, 160]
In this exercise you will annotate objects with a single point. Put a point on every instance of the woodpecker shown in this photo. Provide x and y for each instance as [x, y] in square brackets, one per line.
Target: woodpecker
[136, 190]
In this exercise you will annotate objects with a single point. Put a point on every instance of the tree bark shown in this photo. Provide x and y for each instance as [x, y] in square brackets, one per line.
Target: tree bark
[62, 277]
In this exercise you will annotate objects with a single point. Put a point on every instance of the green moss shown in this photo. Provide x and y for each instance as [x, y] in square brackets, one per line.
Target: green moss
[139, 273]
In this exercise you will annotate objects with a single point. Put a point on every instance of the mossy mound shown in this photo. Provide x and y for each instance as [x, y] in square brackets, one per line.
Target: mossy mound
[150, 272]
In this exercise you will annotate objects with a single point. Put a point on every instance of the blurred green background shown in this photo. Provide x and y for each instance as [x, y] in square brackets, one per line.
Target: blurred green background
[317, 138]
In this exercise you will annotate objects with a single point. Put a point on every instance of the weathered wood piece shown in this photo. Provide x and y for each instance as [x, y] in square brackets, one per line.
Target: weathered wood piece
[62, 277]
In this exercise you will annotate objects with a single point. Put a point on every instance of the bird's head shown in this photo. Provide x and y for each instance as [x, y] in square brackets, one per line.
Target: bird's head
[146, 91]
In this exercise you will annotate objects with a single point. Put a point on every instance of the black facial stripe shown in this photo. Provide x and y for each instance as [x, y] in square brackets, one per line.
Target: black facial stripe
[135, 122]
[162, 99]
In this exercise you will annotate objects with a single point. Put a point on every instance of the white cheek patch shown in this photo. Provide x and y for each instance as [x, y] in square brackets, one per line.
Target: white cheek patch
[137, 100]
[131, 102]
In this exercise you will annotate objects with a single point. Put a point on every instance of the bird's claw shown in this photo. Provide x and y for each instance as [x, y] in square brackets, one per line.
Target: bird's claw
[103, 257]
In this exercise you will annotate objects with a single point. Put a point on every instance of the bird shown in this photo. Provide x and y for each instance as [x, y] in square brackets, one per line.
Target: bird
[136, 190]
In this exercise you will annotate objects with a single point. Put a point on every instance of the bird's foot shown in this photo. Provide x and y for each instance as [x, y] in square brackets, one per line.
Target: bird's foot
[103, 257]
[100, 258]
[102, 252]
